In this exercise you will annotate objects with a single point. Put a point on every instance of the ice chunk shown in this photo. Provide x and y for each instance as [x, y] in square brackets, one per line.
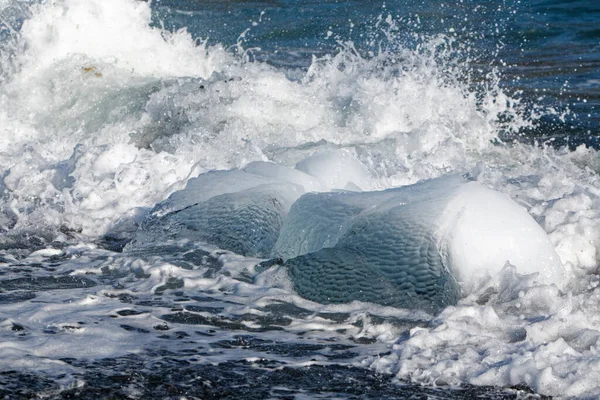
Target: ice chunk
[206, 186]
[420, 246]
[237, 210]
[215, 183]
[246, 222]
[379, 247]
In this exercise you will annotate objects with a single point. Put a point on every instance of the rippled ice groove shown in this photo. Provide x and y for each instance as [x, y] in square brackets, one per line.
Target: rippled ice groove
[388, 258]
[247, 223]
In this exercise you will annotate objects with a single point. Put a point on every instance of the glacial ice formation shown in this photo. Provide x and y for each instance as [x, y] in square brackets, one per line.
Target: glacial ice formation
[243, 210]
[419, 246]
[235, 210]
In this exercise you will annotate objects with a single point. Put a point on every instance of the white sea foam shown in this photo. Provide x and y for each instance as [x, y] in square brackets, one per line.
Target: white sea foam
[102, 117]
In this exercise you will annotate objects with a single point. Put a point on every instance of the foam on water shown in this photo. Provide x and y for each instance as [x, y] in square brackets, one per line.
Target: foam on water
[103, 116]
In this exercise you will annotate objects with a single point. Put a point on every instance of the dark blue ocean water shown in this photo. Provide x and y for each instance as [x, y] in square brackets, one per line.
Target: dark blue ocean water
[546, 52]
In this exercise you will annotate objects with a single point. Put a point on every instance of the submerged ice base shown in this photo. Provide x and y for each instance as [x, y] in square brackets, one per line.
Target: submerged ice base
[420, 246]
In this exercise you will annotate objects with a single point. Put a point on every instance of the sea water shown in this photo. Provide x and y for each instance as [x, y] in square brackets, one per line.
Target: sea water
[109, 107]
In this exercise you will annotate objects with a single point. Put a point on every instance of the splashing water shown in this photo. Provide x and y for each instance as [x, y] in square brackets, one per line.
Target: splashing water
[104, 114]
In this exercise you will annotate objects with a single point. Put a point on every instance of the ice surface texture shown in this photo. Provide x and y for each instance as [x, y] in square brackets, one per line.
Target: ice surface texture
[246, 222]
[377, 247]
[419, 246]
[240, 210]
